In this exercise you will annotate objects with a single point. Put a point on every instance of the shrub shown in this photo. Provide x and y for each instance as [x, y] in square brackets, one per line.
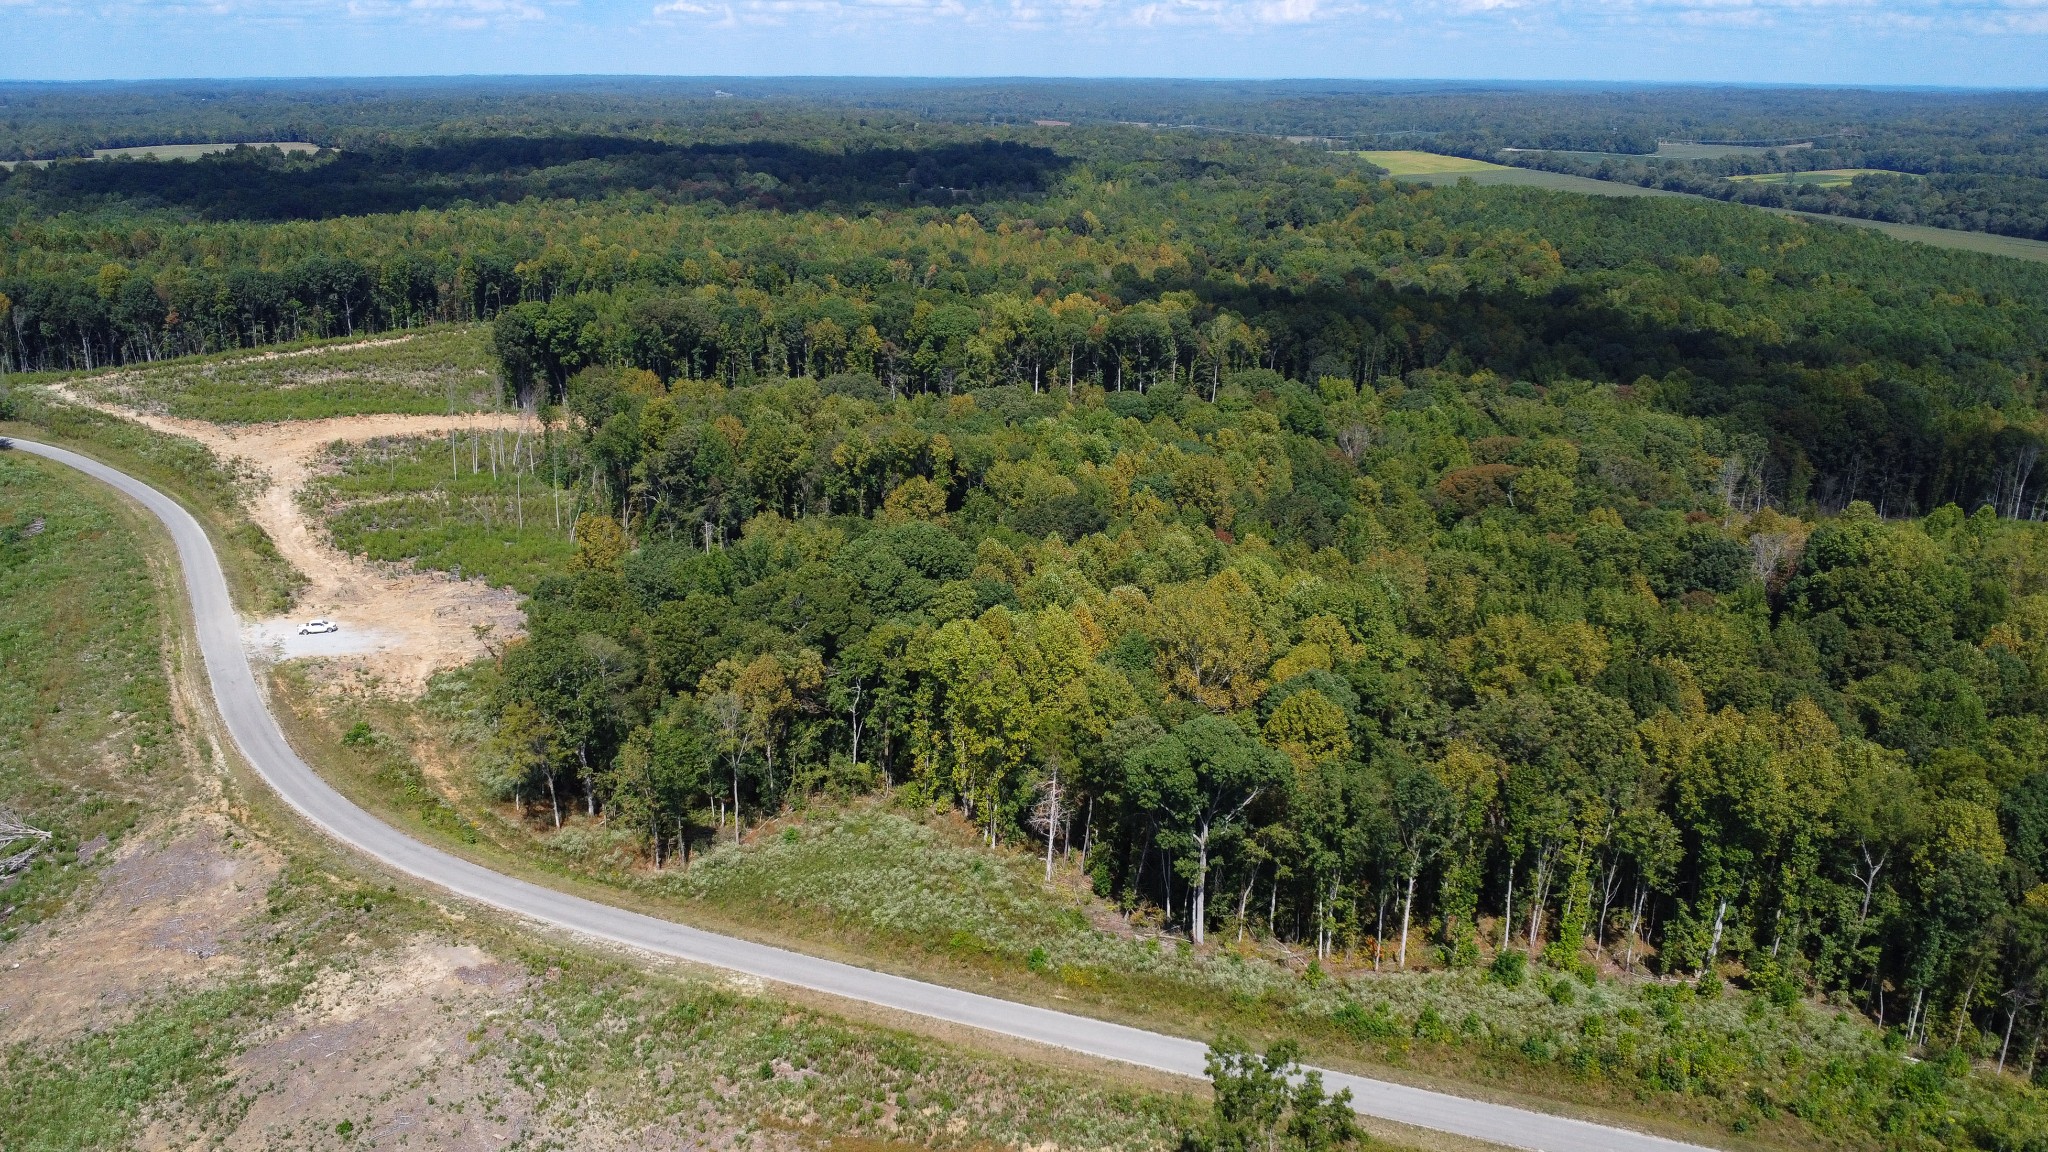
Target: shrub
[1430, 1026]
[1375, 1023]
[1509, 969]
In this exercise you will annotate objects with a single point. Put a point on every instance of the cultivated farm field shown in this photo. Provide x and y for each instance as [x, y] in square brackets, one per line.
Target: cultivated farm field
[1435, 168]
[191, 151]
[1819, 178]
[1669, 150]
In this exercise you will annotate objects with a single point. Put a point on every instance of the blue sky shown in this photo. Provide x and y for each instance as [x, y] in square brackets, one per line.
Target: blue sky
[2001, 43]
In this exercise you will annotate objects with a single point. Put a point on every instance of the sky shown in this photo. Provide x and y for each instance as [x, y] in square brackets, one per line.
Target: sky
[1968, 43]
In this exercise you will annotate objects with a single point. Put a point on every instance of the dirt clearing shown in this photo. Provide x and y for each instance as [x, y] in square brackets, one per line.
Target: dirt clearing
[168, 912]
[421, 622]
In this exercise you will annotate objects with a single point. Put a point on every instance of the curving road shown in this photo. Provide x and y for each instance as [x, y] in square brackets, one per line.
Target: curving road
[262, 743]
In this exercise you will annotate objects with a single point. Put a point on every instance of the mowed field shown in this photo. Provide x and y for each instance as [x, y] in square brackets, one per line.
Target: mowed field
[175, 151]
[1432, 168]
[1986, 242]
[1818, 178]
[1666, 150]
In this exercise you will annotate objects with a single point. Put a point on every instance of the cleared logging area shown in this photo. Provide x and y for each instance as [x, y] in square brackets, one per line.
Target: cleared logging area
[427, 372]
[489, 504]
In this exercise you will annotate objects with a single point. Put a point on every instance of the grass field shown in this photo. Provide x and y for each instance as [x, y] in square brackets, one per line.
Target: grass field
[174, 151]
[85, 717]
[190, 151]
[1400, 164]
[1431, 168]
[1818, 178]
[1675, 151]
[1434, 168]
[214, 489]
[423, 372]
[1989, 243]
[1668, 150]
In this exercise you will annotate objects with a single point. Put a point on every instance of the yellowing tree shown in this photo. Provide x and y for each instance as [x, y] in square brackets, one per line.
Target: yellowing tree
[915, 499]
[772, 689]
[1309, 728]
[600, 543]
[982, 718]
[1210, 647]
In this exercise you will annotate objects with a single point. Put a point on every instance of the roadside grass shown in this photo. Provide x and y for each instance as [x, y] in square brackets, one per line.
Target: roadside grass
[427, 371]
[449, 503]
[84, 614]
[1734, 1058]
[652, 1050]
[91, 747]
[211, 488]
[914, 892]
[86, 731]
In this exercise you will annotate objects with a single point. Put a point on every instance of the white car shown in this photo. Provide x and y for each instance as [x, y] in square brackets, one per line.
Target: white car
[316, 627]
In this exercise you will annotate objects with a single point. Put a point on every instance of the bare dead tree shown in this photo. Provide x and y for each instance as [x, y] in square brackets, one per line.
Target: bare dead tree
[2021, 474]
[14, 832]
[1045, 815]
[1767, 555]
[1353, 440]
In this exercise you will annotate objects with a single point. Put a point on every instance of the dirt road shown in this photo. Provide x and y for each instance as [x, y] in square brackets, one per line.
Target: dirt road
[397, 625]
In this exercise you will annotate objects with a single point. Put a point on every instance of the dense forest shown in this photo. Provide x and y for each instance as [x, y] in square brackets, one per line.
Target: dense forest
[265, 184]
[1854, 368]
[1984, 154]
[1368, 667]
[1652, 583]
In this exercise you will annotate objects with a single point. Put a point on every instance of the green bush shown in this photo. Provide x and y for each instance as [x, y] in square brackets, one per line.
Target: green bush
[1430, 1026]
[1509, 969]
[1375, 1023]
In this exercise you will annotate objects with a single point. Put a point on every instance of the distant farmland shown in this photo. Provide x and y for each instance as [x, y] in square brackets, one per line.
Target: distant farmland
[189, 151]
[174, 151]
[1666, 150]
[1433, 168]
[1404, 164]
[1818, 178]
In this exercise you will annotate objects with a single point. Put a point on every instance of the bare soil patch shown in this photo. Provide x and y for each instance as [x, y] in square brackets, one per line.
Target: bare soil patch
[167, 912]
[387, 1054]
